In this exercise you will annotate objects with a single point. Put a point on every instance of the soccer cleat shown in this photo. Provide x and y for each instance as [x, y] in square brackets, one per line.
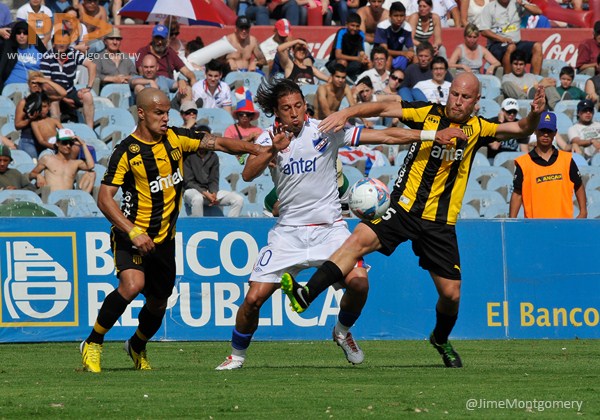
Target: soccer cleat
[90, 356]
[231, 363]
[140, 360]
[353, 353]
[295, 293]
[450, 357]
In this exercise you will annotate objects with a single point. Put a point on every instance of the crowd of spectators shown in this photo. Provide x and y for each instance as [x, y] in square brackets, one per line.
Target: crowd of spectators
[382, 51]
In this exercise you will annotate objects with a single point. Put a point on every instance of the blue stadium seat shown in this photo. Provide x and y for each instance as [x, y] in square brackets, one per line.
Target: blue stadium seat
[386, 174]
[249, 79]
[551, 67]
[119, 94]
[352, 174]
[495, 211]
[480, 160]
[506, 159]
[216, 118]
[502, 184]
[175, 119]
[568, 107]
[82, 130]
[488, 108]
[563, 122]
[490, 86]
[113, 116]
[483, 199]
[19, 157]
[101, 102]
[467, 211]
[75, 203]
[15, 91]
[54, 209]
[580, 80]
[595, 160]
[20, 195]
[482, 174]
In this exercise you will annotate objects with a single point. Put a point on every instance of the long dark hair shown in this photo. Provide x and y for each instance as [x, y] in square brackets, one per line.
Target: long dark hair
[269, 92]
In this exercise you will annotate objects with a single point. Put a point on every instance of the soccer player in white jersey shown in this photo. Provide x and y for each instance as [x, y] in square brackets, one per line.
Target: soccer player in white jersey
[306, 180]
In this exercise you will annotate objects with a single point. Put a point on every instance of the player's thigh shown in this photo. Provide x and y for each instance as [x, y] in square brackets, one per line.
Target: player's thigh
[160, 271]
[437, 249]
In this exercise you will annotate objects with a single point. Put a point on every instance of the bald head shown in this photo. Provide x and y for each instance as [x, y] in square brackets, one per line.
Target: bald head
[149, 97]
[464, 95]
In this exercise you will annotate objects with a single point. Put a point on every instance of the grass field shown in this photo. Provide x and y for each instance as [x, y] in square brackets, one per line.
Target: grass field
[303, 380]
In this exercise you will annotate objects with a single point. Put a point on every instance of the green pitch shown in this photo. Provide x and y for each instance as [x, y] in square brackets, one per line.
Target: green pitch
[305, 380]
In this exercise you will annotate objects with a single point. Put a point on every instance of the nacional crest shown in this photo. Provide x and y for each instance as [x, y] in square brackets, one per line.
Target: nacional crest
[320, 144]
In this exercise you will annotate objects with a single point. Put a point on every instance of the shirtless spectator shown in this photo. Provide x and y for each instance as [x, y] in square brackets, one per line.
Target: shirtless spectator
[113, 66]
[44, 127]
[60, 64]
[92, 9]
[212, 91]
[372, 14]
[248, 56]
[330, 95]
[168, 61]
[60, 169]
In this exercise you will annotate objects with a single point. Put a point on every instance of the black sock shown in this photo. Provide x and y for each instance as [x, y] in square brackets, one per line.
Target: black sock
[325, 276]
[149, 324]
[443, 326]
[112, 308]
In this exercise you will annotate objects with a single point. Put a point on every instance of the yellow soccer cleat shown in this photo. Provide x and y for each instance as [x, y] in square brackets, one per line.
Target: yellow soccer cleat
[140, 360]
[90, 356]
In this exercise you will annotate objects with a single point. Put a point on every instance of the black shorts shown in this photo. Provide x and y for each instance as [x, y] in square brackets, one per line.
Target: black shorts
[434, 243]
[158, 267]
[498, 49]
[73, 95]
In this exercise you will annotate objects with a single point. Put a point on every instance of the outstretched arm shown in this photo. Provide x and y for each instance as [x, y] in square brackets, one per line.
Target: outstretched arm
[405, 135]
[227, 145]
[337, 120]
[524, 127]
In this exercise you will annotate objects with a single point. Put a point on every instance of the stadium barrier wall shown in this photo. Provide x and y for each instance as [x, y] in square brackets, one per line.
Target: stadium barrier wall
[522, 279]
[560, 44]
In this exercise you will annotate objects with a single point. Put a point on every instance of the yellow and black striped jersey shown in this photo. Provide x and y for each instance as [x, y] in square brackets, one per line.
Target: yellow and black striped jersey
[433, 178]
[151, 178]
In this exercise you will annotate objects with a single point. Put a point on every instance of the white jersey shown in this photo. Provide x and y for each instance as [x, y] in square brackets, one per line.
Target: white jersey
[306, 175]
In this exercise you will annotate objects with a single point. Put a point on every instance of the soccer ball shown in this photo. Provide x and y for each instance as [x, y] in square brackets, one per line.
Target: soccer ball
[369, 199]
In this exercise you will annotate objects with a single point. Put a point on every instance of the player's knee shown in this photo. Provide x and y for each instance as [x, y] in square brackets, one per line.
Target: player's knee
[253, 303]
[358, 285]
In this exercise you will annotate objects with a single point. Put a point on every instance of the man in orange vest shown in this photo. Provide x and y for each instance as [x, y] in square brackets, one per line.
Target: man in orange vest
[546, 177]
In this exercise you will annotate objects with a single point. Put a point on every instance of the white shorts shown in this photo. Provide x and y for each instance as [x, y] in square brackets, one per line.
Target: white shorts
[292, 249]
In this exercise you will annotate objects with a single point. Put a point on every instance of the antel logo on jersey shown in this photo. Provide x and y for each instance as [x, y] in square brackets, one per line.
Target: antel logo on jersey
[162, 183]
[39, 280]
[443, 153]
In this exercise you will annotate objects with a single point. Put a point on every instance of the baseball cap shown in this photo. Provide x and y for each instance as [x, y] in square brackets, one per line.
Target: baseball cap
[510, 104]
[187, 105]
[5, 151]
[161, 31]
[283, 27]
[547, 121]
[242, 22]
[64, 134]
[584, 105]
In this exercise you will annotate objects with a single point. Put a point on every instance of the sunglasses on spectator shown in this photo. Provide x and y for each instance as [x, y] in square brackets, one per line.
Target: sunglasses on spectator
[21, 32]
[246, 114]
[67, 142]
[174, 33]
[511, 112]
[190, 111]
[398, 78]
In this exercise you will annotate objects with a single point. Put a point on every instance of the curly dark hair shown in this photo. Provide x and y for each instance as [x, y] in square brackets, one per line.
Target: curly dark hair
[269, 92]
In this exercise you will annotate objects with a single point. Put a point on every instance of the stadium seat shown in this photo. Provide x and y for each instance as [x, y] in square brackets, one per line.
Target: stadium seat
[112, 135]
[119, 94]
[309, 89]
[101, 102]
[386, 174]
[25, 168]
[344, 103]
[483, 199]
[593, 184]
[502, 184]
[506, 159]
[75, 203]
[229, 171]
[593, 197]
[490, 86]
[580, 80]
[524, 106]
[15, 91]
[265, 122]
[589, 172]
[480, 160]
[216, 118]
[482, 174]
[19, 157]
[352, 174]
[495, 211]
[113, 116]
[579, 160]
[200, 75]
[563, 123]
[20, 195]
[467, 211]
[54, 209]
[567, 107]
[7, 112]
[593, 211]
[255, 209]
[551, 67]
[82, 130]
[488, 108]
[249, 79]
[175, 119]
[595, 160]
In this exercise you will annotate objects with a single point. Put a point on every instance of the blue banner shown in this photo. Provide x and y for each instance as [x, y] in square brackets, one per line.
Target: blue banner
[521, 279]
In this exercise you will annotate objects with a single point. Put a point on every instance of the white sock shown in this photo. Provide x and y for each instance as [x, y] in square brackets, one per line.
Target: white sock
[238, 354]
[341, 329]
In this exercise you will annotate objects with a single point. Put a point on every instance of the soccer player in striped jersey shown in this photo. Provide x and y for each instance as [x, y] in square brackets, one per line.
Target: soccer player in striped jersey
[310, 224]
[147, 166]
[425, 201]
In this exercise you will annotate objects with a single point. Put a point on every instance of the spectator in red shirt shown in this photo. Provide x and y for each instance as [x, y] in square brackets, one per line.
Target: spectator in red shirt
[587, 52]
